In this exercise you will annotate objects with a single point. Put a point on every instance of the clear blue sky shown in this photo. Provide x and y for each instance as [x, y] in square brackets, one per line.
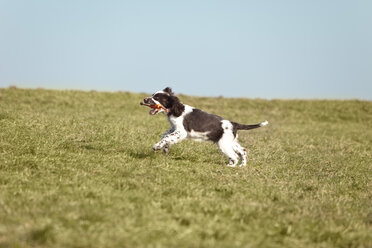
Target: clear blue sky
[266, 49]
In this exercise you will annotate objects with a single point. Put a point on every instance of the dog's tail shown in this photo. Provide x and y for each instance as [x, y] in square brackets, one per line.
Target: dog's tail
[238, 126]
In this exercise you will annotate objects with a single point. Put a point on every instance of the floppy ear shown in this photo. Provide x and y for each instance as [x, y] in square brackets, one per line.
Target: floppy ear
[169, 91]
[177, 107]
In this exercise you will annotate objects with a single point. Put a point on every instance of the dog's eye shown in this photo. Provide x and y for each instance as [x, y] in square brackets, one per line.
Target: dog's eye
[155, 98]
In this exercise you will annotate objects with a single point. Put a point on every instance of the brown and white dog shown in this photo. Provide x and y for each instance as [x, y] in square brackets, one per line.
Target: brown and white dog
[193, 123]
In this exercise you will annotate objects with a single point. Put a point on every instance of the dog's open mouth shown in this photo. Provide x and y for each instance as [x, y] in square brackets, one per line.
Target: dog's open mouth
[155, 108]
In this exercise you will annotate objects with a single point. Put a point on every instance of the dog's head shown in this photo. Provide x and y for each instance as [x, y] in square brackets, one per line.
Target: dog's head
[164, 101]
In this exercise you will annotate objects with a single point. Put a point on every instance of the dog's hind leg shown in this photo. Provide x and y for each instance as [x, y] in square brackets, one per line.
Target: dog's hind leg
[241, 151]
[226, 147]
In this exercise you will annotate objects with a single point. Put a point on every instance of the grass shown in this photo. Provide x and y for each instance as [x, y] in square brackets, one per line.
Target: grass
[77, 170]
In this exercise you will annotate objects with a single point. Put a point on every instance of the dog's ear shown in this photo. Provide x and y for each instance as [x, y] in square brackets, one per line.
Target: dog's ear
[177, 107]
[169, 91]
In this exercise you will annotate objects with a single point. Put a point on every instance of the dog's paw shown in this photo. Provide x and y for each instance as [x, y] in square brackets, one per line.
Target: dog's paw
[157, 147]
[165, 149]
[232, 163]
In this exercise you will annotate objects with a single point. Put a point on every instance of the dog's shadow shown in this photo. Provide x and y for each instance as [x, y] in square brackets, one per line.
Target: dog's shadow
[141, 154]
[175, 156]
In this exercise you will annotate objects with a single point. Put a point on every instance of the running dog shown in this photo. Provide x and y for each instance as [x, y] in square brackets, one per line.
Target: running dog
[193, 123]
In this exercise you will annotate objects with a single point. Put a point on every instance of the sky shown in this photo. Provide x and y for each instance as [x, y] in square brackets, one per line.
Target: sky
[257, 49]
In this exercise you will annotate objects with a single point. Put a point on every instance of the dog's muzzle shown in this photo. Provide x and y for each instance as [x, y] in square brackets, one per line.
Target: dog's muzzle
[155, 107]
[148, 101]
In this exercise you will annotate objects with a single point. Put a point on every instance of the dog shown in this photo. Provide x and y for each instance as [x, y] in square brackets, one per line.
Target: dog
[189, 122]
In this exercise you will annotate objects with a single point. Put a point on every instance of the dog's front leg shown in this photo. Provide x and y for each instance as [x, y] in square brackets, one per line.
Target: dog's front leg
[166, 147]
[169, 131]
[169, 140]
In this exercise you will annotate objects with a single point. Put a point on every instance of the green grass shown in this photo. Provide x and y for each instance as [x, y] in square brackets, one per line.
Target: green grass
[77, 170]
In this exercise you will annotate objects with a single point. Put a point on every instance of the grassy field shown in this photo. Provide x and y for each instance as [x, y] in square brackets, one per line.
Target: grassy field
[77, 170]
